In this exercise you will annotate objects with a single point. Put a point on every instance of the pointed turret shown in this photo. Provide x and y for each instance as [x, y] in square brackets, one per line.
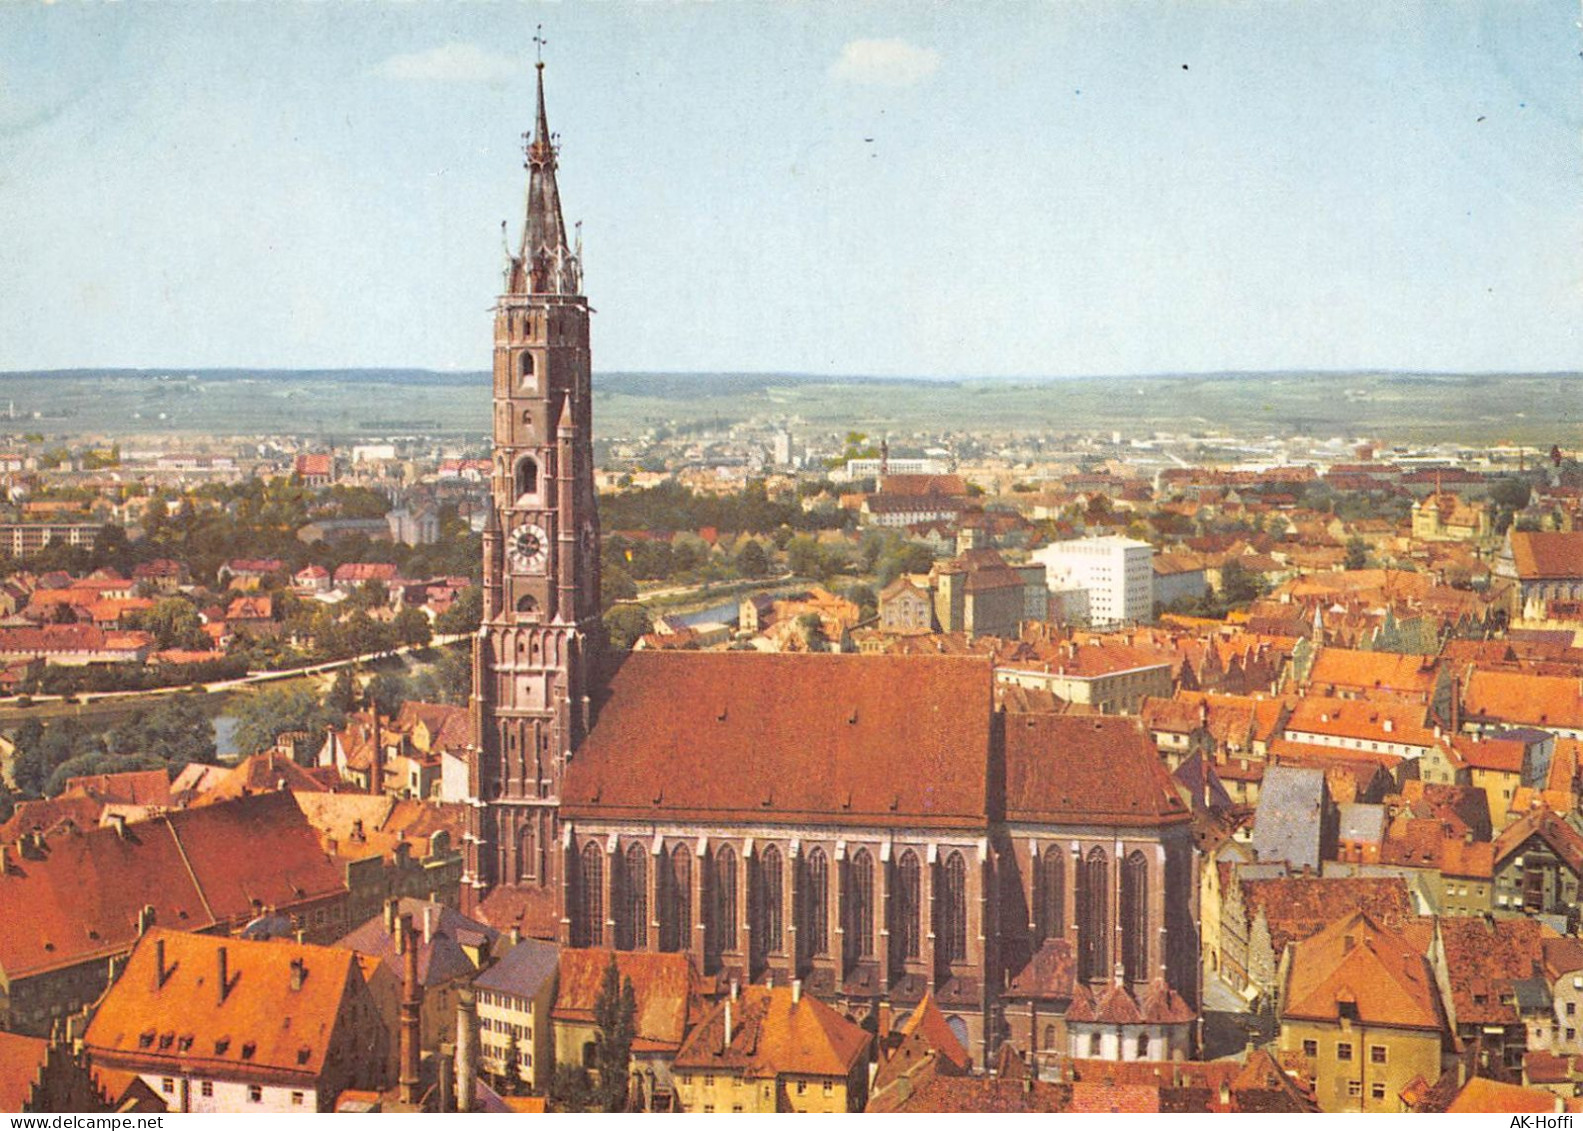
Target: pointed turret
[545, 263]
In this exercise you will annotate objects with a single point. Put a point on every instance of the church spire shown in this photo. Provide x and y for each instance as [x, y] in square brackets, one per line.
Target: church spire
[545, 263]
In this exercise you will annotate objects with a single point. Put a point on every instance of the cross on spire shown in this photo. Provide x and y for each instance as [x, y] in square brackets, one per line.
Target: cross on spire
[541, 43]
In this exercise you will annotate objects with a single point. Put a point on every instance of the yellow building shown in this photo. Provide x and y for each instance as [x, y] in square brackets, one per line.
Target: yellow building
[1360, 1010]
[769, 1049]
[1444, 517]
[515, 997]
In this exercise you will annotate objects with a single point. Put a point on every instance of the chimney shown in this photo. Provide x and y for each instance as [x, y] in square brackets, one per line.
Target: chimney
[411, 1013]
[467, 1048]
[882, 1022]
[145, 919]
[796, 990]
[225, 973]
[299, 973]
[118, 823]
[159, 964]
[391, 906]
[376, 763]
[727, 1045]
[428, 924]
[515, 934]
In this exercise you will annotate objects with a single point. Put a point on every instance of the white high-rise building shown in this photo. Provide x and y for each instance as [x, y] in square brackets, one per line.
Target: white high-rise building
[1117, 574]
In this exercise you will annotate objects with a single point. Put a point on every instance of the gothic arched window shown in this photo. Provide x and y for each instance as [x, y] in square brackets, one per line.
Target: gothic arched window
[676, 908]
[906, 904]
[590, 897]
[723, 912]
[1135, 917]
[632, 923]
[527, 476]
[527, 855]
[525, 367]
[1050, 920]
[1093, 916]
[767, 902]
[953, 910]
[814, 905]
[858, 903]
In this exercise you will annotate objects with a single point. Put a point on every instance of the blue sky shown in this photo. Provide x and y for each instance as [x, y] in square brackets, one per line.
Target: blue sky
[884, 188]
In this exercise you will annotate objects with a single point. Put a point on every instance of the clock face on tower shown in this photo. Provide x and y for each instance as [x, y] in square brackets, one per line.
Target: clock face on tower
[527, 548]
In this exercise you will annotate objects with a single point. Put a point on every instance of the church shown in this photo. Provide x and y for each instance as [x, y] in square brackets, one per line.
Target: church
[874, 828]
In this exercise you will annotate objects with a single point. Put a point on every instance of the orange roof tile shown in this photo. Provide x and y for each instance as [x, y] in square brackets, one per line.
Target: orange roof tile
[1521, 698]
[1357, 963]
[1092, 769]
[1481, 1095]
[1547, 555]
[772, 1035]
[21, 1059]
[888, 740]
[261, 1027]
[665, 985]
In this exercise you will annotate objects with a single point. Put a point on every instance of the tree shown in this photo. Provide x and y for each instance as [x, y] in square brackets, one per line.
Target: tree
[1357, 553]
[751, 560]
[812, 630]
[266, 716]
[614, 1010]
[615, 584]
[1238, 586]
[464, 615]
[388, 690]
[804, 557]
[511, 1080]
[343, 693]
[175, 624]
[412, 627]
[41, 750]
[570, 1089]
[625, 624]
[175, 729]
[454, 671]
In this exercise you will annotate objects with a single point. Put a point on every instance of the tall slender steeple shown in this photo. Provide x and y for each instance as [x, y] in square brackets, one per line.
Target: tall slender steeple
[545, 263]
[537, 649]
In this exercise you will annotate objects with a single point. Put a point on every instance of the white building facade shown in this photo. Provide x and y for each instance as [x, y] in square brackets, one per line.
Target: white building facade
[1117, 574]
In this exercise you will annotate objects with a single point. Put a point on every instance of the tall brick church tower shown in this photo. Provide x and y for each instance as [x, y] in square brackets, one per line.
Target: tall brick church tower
[538, 646]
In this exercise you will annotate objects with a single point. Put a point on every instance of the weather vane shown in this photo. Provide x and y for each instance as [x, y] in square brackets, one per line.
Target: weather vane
[538, 38]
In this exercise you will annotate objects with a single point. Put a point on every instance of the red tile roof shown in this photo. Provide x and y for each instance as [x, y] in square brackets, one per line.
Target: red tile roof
[665, 985]
[888, 740]
[1087, 769]
[1520, 698]
[1482, 1096]
[772, 1035]
[133, 787]
[195, 868]
[261, 1028]
[1547, 555]
[1356, 963]
[1560, 836]
[21, 1060]
[1299, 907]
[1374, 671]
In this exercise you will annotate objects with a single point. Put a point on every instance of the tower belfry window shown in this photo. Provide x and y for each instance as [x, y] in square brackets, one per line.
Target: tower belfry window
[527, 477]
[525, 369]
